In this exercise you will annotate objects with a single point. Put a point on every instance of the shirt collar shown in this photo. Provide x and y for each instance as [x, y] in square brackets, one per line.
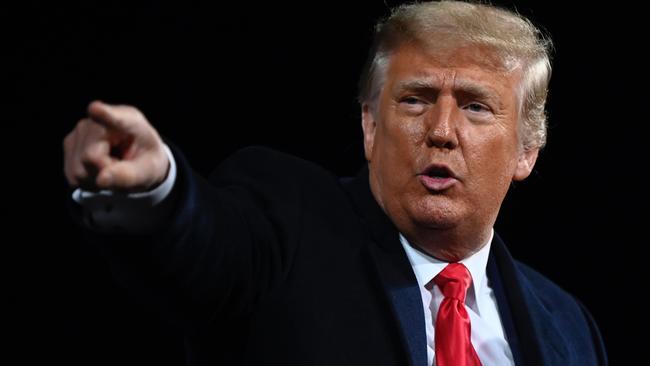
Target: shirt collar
[427, 267]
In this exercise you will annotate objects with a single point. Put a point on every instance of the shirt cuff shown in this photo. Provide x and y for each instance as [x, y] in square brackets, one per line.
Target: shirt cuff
[115, 212]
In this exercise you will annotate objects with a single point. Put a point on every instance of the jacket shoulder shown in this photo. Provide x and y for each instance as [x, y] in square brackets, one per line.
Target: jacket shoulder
[262, 165]
[549, 292]
[576, 321]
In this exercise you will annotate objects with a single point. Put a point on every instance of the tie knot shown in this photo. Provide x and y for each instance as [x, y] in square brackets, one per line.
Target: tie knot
[454, 281]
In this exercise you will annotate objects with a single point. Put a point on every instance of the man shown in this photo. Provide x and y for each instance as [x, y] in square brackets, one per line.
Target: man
[275, 261]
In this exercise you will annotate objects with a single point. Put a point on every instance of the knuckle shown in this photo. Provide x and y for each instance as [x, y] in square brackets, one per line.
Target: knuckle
[79, 174]
[81, 123]
[96, 131]
[88, 156]
[71, 181]
[90, 153]
[130, 109]
[134, 114]
[67, 142]
[162, 163]
[70, 177]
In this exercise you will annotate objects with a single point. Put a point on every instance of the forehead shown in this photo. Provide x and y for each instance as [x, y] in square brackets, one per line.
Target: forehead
[459, 66]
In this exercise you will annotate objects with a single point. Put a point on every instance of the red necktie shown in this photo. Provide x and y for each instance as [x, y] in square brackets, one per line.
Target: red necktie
[453, 328]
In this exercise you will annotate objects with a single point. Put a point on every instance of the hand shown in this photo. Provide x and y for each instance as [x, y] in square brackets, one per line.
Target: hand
[114, 148]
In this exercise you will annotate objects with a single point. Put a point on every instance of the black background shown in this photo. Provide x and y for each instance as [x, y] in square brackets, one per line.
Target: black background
[214, 78]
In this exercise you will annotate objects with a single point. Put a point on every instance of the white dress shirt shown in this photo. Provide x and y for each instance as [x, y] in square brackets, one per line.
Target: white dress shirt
[135, 213]
[107, 211]
[488, 337]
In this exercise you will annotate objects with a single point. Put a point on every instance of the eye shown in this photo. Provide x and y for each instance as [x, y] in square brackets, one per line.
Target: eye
[413, 105]
[476, 107]
[411, 100]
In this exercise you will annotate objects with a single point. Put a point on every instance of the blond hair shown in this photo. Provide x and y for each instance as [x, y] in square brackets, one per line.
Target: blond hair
[437, 25]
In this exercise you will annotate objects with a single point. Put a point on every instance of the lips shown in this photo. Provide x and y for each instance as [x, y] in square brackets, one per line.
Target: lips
[437, 177]
[438, 171]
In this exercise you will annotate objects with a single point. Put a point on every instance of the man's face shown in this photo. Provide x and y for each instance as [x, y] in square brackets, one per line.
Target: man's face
[443, 145]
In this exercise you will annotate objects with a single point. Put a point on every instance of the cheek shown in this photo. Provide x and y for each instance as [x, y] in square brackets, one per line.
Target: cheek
[492, 162]
[403, 135]
[395, 153]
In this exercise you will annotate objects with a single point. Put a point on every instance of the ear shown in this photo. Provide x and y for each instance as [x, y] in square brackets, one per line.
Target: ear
[525, 164]
[369, 126]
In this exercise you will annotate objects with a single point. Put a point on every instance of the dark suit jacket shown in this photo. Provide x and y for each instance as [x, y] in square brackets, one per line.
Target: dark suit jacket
[275, 261]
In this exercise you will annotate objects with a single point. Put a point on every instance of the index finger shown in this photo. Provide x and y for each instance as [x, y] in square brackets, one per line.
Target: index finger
[111, 117]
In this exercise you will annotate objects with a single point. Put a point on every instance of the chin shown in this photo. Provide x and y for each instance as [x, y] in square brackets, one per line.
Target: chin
[437, 213]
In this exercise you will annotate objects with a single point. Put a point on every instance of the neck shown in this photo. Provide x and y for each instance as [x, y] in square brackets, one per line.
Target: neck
[449, 245]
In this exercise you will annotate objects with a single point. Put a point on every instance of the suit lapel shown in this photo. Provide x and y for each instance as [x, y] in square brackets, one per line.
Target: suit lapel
[531, 330]
[392, 269]
[529, 324]
[405, 299]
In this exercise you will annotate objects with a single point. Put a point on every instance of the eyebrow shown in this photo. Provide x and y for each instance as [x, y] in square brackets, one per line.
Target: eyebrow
[417, 84]
[464, 86]
[478, 90]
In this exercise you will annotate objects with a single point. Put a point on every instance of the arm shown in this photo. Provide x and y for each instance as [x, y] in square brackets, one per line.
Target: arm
[139, 212]
[226, 244]
[223, 245]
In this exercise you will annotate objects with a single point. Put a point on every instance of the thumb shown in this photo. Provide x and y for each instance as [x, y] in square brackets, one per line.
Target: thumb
[138, 175]
[121, 175]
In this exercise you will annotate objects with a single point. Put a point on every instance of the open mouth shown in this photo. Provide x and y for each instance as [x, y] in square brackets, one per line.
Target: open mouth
[438, 178]
[439, 172]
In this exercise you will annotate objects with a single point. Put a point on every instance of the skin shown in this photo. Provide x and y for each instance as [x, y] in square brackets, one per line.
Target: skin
[457, 107]
[114, 148]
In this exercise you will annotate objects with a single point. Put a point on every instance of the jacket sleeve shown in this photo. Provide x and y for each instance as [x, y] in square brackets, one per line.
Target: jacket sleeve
[596, 337]
[227, 241]
[141, 212]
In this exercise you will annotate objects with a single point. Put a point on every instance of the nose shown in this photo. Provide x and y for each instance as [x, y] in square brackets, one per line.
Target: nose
[442, 123]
